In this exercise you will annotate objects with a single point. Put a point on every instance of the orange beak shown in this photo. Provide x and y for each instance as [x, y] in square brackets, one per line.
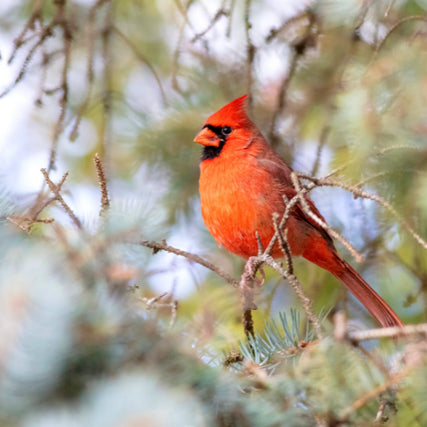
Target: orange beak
[207, 137]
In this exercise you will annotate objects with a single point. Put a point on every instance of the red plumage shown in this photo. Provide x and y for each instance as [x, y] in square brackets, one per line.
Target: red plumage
[242, 183]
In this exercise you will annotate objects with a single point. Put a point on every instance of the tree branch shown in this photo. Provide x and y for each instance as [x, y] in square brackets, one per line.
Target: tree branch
[163, 246]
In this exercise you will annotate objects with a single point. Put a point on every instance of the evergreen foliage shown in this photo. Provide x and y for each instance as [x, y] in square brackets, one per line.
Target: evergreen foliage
[98, 325]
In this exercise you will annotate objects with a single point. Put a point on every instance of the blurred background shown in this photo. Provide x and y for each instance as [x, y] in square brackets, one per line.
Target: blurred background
[332, 85]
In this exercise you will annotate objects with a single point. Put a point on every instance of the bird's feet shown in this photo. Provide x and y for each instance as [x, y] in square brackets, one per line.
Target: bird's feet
[252, 267]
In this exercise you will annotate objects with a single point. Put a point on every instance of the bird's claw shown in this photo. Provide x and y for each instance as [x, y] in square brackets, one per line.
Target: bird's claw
[253, 271]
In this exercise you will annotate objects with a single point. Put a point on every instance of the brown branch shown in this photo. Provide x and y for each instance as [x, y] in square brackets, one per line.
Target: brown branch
[247, 292]
[163, 246]
[296, 285]
[220, 12]
[155, 303]
[390, 332]
[46, 32]
[245, 285]
[246, 288]
[55, 190]
[294, 176]
[30, 24]
[61, 20]
[102, 181]
[25, 223]
[357, 192]
[248, 323]
[284, 245]
[289, 206]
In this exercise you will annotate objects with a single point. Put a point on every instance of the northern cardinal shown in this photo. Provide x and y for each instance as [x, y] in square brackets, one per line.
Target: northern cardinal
[242, 183]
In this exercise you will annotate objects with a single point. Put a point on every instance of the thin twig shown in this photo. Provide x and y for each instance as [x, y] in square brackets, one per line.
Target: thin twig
[54, 189]
[296, 285]
[102, 181]
[61, 20]
[358, 257]
[221, 12]
[47, 32]
[30, 25]
[284, 244]
[163, 246]
[289, 206]
[357, 192]
[155, 303]
[391, 332]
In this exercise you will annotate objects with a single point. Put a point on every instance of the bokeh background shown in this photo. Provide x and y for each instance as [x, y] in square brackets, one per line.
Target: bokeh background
[332, 85]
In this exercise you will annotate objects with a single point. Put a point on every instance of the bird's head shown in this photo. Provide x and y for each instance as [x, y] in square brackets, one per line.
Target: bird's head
[228, 126]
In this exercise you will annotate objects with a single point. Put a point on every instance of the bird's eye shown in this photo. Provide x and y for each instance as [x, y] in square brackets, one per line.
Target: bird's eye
[226, 130]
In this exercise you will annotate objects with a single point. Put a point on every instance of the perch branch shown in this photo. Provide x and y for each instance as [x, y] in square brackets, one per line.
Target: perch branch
[163, 246]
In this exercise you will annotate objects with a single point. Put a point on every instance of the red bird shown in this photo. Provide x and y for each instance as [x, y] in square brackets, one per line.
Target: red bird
[242, 183]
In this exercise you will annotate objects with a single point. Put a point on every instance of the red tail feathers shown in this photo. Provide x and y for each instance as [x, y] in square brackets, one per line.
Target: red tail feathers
[367, 296]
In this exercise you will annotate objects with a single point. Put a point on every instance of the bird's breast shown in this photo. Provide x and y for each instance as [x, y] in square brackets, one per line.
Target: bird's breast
[238, 200]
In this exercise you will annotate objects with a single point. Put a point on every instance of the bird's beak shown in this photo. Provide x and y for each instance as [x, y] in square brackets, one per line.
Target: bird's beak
[207, 137]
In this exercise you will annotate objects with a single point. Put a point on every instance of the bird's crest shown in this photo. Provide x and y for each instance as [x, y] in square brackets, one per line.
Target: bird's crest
[233, 114]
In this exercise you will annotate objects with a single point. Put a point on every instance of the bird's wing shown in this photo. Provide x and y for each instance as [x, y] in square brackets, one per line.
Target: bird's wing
[281, 174]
